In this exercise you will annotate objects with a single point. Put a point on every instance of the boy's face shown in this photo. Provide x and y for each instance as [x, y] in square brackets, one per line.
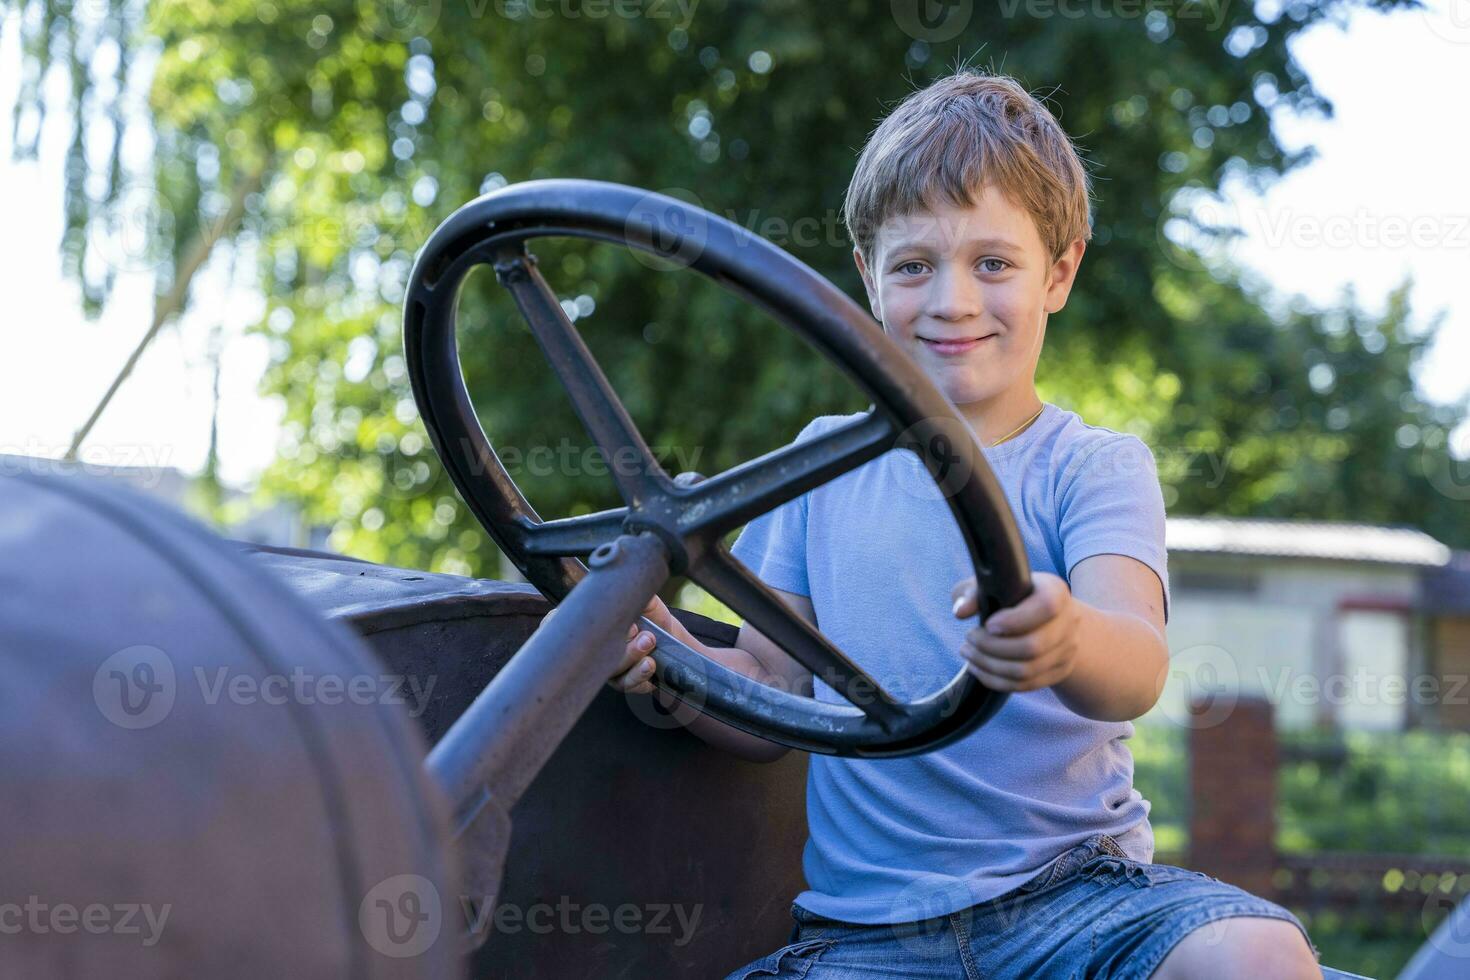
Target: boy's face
[966, 291]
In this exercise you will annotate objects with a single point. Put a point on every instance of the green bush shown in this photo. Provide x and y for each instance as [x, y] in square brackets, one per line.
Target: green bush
[1369, 792]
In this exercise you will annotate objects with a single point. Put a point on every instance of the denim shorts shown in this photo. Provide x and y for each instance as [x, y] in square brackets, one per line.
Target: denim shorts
[1092, 912]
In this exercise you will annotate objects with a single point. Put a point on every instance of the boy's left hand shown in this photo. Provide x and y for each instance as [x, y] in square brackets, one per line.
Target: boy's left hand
[1028, 646]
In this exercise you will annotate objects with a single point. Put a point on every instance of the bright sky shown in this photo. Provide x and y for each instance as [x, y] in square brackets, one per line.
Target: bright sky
[1388, 197]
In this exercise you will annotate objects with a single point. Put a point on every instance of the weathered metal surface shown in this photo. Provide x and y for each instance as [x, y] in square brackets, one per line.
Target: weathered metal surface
[630, 813]
[495, 748]
[908, 412]
[183, 798]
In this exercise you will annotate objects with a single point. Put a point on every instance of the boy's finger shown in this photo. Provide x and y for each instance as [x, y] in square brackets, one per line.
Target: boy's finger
[1037, 608]
[966, 598]
[1001, 647]
[1032, 646]
[1012, 670]
[992, 681]
[635, 676]
[635, 650]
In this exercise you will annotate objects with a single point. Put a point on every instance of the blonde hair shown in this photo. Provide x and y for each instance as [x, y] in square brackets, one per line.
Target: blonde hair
[945, 142]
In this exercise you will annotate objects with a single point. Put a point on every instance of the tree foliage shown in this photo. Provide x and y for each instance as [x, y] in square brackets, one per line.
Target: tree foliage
[371, 120]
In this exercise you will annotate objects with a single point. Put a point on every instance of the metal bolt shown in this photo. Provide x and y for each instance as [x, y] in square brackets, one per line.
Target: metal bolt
[605, 554]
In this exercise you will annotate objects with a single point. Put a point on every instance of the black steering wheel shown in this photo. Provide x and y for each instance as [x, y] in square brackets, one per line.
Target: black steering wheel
[691, 519]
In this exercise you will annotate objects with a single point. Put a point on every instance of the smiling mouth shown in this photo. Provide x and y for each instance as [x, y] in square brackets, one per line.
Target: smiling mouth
[950, 347]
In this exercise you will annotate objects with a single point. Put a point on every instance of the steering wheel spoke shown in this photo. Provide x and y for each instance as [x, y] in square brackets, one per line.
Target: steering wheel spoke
[732, 583]
[573, 537]
[593, 398]
[734, 497]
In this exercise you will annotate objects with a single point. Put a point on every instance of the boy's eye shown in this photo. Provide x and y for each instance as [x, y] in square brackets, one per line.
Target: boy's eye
[912, 268]
[993, 265]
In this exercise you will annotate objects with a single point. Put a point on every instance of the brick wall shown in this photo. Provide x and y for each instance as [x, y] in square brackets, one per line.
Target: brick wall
[1232, 773]
[1451, 662]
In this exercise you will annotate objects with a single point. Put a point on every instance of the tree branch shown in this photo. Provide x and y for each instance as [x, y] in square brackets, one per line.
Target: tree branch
[170, 304]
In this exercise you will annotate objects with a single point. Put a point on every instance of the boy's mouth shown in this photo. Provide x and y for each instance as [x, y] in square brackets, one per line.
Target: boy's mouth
[952, 346]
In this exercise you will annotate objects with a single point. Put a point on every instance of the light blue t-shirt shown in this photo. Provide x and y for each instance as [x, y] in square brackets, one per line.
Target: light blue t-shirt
[878, 551]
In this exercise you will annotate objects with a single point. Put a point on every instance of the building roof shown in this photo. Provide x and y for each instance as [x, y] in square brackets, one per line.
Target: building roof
[1447, 589]
[1320, 540]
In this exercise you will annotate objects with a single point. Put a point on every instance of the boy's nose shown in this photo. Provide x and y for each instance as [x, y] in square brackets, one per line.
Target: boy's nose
[955, 297]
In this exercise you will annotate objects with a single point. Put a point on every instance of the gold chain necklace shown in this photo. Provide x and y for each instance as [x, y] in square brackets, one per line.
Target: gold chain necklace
[1019, 429]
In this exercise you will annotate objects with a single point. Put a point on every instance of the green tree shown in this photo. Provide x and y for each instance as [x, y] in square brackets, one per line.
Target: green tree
[368, 122]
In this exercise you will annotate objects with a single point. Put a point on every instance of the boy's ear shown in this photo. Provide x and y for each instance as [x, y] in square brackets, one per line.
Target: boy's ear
[1062, 275]
[857, 256]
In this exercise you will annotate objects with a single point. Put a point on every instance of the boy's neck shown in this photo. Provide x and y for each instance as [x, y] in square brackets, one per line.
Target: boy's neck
[998, 417]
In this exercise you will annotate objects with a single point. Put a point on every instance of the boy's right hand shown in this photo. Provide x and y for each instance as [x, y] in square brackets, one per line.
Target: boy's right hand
[633, 673]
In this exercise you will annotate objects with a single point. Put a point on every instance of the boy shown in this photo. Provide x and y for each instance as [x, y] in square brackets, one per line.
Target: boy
[1021, 850]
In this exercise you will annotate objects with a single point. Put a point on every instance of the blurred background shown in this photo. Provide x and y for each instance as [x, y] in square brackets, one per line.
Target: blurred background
[211, 210]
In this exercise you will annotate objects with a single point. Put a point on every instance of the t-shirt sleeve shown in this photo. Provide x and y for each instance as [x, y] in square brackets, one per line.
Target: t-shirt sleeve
[1112, 504]
[773, 545]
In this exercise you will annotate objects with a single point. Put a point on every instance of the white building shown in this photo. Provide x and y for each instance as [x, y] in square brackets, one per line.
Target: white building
[1350, 625]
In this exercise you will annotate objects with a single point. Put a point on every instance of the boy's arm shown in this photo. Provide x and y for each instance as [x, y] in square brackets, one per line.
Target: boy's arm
[1122, 654]
[1099, 644]
[753, 655]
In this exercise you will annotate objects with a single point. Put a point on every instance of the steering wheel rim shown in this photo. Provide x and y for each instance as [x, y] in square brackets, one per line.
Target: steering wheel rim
[907, 412]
